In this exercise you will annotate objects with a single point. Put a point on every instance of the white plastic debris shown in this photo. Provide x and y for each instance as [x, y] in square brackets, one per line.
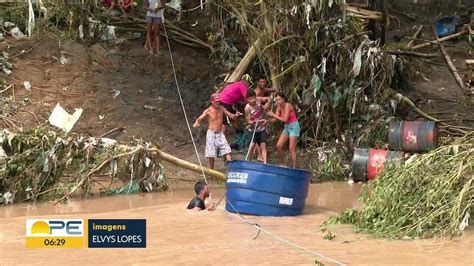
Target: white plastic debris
[350, 182]
[147, 162]
[357, 62]
[109, 34]
[175, 4]
[16, 33]
[61, 119]
[64, 60]
[106, 142]
[7, 198]
[149, 107]
[101, 117]
[8, 24]
[465, 222]
[27, 85]
[6, 70]
[28, 192]
[81, 32]
[116, 94]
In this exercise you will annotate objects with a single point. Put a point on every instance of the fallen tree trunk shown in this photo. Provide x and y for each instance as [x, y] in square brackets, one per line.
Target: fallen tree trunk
[447, 38]
[190, 166]
[244, 63]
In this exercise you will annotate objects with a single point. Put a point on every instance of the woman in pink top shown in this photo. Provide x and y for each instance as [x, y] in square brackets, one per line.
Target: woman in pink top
[232, 94]
[286, 113]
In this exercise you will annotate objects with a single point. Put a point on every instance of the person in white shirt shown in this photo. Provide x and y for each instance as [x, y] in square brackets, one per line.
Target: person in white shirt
[154, 17]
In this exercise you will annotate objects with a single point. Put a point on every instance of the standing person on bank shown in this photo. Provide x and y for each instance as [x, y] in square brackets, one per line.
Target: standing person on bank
[154, 20]
[286, 113]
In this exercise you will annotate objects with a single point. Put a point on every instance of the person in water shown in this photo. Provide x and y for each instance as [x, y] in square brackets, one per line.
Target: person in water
[202, 193]
[215, 138]
[285, 112]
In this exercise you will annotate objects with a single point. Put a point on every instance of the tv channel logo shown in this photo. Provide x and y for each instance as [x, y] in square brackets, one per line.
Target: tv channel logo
[55, 233]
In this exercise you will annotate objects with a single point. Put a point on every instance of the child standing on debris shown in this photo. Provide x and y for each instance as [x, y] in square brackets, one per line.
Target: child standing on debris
[286, 113]
[154, 17]
[215, 138]
[254, 112]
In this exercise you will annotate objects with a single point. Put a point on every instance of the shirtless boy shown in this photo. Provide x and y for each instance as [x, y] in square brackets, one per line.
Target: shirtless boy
[215, 138]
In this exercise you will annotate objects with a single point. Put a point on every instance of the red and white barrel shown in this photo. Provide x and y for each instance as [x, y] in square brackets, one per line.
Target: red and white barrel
[368, 163]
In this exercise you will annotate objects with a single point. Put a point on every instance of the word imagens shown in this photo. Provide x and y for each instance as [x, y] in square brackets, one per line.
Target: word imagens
[109, 227]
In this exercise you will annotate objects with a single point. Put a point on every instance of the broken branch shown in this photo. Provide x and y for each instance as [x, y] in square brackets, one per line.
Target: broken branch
[447, 38]
[408, 53]
[451, 65]
[412, 42]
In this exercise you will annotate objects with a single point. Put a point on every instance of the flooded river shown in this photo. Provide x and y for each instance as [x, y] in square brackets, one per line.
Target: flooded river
[175, 235]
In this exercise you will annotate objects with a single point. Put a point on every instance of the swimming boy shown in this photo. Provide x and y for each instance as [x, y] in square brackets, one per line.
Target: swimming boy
[215, 138]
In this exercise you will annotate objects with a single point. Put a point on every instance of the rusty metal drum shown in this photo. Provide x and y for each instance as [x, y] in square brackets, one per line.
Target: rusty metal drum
[368, 163]
[413, 136]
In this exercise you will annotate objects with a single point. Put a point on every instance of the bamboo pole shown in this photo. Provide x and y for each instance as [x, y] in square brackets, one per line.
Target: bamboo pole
[451, 65]
[190, 166]
[244, 63]
[447, 38]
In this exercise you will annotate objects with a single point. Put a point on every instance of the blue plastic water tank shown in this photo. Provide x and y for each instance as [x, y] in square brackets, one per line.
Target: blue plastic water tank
[266, 190]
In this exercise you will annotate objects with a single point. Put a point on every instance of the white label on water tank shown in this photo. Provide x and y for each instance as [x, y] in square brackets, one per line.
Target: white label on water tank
[286, 201]
[236, 177]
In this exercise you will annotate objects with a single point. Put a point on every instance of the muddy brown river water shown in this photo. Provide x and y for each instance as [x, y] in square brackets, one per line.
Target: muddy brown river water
[176, 236]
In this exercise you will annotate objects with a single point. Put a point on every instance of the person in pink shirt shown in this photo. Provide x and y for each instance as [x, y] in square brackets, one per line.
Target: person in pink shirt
[231, 95]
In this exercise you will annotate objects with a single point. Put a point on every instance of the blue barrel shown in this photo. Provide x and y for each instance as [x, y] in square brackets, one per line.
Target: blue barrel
[266, 190]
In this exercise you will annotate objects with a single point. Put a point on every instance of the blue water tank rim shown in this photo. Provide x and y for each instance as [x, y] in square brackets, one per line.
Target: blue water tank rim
[257, 166]
[269, 192]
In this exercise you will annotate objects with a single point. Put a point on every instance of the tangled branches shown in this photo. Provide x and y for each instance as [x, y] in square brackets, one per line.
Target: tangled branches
[320, 56]
[41, 164]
